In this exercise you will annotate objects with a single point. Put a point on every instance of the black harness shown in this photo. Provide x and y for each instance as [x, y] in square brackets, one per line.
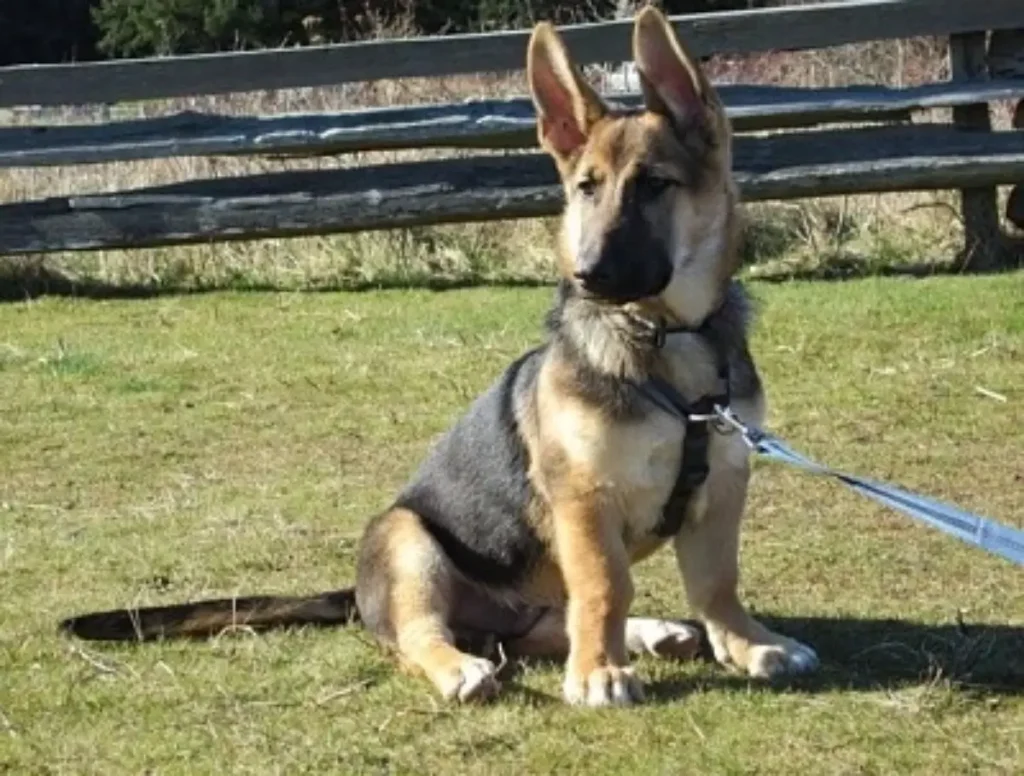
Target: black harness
[697, 417]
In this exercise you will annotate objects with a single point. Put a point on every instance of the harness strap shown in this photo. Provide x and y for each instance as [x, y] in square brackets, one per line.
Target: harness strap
[695, 416]
[693, 470]
[693, 466]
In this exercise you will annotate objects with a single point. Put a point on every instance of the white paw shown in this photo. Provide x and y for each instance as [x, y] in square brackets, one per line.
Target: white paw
[476, 680]
[788, 658]
[609, 686]
[662, 638]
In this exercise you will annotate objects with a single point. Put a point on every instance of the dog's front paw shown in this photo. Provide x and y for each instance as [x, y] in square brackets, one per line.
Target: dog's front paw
[767, 656]
[785, 658]
[474, 680]
[606, 686]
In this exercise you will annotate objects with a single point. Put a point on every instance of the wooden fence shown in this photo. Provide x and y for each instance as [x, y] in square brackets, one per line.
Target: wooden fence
[805, 155]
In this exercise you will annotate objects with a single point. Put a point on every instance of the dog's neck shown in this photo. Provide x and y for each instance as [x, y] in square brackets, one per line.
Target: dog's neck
[625, 342]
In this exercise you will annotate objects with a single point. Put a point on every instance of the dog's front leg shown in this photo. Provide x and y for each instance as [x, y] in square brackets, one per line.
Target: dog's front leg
[595, 569]
[707, 550]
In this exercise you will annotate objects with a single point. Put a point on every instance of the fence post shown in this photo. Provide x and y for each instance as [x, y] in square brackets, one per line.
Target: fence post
[1006, 60]
[983, 250]
[1015, 205]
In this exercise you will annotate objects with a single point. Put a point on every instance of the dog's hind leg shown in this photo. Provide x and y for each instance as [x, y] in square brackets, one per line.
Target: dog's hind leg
[666, 639]
[406, 591]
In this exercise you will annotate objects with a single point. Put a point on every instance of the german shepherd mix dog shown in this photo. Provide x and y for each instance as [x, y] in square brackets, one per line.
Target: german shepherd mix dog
[525, 518]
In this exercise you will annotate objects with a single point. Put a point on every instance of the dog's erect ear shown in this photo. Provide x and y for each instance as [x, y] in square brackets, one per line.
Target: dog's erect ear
[672, 81]
[567, 107]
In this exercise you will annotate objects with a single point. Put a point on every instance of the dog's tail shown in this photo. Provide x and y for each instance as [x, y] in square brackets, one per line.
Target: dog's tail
[200, 619]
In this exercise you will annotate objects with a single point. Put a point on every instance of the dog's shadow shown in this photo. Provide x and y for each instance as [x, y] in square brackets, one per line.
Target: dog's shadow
[871, 655]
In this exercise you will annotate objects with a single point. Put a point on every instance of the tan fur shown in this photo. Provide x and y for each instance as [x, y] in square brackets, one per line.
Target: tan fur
[418, 595]
[595, 567]
[628, 469]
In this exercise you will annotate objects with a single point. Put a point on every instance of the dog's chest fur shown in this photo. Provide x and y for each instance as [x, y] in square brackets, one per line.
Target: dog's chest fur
[633, 462]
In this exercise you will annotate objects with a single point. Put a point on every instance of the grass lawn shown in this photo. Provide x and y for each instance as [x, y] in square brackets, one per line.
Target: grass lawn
[162, 449]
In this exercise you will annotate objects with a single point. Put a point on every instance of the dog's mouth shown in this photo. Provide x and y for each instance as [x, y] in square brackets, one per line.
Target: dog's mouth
[619, 291]
[615, 299]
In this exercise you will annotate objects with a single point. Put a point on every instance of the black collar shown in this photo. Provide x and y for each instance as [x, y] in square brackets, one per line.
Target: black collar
[656, 331]
[697, 416]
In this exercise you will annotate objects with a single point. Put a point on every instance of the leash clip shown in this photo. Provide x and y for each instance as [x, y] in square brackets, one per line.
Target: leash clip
[725, 421]
[706, 417]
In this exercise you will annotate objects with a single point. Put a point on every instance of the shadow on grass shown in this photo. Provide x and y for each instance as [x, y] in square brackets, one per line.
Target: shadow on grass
[18, 284]
[857, 655]
[884, 655]
[851, 268]
[20, 281]
[847, 266]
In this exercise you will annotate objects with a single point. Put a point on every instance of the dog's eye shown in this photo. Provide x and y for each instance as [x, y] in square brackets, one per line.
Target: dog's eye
[587, 186]
[654, 185]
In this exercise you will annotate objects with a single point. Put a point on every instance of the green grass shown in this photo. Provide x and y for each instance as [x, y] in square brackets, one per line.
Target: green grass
[156, 450]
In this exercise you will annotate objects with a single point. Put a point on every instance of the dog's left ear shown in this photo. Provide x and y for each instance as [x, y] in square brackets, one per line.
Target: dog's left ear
[672, 81]
[567, 106]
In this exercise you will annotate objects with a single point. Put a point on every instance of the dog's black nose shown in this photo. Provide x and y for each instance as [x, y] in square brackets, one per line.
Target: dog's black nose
[591, 275]
[596, 277]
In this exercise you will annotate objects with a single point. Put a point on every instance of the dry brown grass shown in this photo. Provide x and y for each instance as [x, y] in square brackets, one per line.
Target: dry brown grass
[858, 233]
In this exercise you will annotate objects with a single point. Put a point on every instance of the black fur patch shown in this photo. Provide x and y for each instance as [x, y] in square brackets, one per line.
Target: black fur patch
[472, 492]
[726, 331]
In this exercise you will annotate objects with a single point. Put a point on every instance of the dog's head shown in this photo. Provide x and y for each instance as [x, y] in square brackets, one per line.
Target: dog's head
[650, 202]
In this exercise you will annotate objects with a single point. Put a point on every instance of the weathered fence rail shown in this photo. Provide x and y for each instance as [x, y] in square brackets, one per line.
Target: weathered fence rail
[787, 28]
[987, 64]
[387, 196]
[482, 124]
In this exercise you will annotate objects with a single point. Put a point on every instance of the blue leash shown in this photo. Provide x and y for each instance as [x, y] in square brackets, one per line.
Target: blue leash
[982, 532]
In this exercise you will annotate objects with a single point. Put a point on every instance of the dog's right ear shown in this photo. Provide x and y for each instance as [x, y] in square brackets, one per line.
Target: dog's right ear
[567, 107]
[670, 76]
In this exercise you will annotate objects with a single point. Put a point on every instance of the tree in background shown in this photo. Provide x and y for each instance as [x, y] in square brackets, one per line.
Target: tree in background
[160, 27]
[68, 30]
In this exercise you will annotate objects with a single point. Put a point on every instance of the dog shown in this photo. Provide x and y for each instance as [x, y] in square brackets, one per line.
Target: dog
[523, 522]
